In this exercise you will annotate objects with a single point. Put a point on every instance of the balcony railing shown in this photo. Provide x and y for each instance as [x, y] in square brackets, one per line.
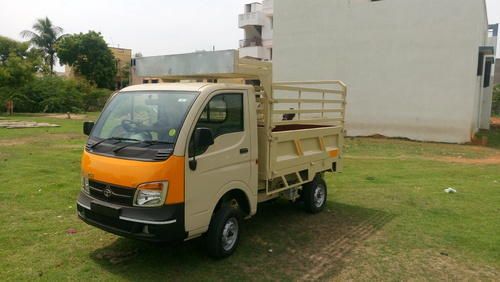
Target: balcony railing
[250, 42]
[253, 18]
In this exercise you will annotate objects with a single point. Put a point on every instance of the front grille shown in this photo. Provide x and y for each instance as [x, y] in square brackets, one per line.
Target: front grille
[111, 193]
[162, 155]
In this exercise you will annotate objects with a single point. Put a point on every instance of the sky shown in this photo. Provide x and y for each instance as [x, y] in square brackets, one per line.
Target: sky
[151, 27]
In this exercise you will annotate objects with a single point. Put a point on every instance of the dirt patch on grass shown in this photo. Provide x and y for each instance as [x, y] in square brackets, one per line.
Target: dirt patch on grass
[326, 258]
[366, 264]
[16, 124]
[65, 116]
[486, 161]
[313, 247]
[495, 122]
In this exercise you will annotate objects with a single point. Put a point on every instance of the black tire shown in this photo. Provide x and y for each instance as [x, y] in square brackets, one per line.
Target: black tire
[314, 195]
[218, 241]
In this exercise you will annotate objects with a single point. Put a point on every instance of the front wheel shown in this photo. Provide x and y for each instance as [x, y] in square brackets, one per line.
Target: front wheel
[314, 195]
[224, 232]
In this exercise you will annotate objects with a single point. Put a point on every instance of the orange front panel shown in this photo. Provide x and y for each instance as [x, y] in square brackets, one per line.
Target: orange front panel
[334, 153]
[175, 179]
[130, 173]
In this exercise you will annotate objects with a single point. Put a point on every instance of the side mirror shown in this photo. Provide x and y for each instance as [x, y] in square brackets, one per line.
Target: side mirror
[203, 138]
[87, 127]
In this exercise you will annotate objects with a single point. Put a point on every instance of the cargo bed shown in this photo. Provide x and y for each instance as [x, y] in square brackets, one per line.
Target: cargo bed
[299, 137]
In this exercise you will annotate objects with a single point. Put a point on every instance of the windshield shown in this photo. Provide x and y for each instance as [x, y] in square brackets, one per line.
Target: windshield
[155, 116]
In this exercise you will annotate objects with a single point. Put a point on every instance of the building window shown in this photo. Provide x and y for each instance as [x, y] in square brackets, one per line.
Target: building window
[154, 80]
[487, 72]
[480, 64]
[145, 81]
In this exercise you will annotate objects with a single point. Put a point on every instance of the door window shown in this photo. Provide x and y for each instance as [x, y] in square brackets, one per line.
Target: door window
[222, 115]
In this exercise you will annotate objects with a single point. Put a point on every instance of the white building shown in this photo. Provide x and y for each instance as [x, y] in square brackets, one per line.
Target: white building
[257, 23]
[415, 68]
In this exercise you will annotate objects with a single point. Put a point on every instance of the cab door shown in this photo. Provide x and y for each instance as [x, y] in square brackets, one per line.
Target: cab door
[223, 165]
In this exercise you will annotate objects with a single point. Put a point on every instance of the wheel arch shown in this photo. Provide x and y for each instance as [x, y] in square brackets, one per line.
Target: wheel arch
[240, 196]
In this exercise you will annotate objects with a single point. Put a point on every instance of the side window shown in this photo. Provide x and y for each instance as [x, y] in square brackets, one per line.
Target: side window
[222, 115]
[215, 111]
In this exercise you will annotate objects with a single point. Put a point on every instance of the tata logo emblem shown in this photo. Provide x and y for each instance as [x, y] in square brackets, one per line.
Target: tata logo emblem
[107, 192]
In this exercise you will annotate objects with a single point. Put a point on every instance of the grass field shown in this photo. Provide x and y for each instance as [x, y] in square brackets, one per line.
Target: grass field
[387, 219]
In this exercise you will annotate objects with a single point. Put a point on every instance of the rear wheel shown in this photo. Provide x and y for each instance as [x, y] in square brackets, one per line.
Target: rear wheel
[224, 232]
[314, 195]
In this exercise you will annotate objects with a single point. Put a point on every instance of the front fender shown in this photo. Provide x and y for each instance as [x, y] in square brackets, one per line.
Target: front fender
[236, 185]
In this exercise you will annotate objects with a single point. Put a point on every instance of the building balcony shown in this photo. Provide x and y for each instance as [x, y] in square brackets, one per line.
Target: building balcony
[252, 18]
[267, 43]
[254, 52]
[250, 42]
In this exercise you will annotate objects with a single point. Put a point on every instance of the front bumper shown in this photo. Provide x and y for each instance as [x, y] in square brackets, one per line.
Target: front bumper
[162, 224]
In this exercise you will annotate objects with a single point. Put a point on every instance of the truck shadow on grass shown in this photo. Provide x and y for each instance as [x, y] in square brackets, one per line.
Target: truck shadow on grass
[281, 242]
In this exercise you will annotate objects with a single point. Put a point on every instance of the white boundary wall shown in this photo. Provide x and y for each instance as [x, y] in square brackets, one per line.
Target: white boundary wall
[410, 65]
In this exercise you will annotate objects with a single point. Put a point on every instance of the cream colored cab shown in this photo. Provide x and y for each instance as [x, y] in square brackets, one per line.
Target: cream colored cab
[227, 165]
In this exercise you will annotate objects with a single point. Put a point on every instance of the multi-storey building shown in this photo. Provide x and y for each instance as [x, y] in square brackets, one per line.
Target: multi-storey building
[257, 23]
[419, 69]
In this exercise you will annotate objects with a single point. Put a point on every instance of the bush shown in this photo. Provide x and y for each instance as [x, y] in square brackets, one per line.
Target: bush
[51, 94]
[96, 99]
[496, 100]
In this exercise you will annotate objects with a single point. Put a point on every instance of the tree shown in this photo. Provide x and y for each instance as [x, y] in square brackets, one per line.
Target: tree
[45, 36]
[17, 68]
[89, 56]
[496, 100]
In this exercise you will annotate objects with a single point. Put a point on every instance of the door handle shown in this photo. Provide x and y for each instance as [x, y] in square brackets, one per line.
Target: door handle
[244, 151]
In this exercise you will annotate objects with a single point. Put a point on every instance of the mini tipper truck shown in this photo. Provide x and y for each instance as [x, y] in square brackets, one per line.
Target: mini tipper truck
[176, 161]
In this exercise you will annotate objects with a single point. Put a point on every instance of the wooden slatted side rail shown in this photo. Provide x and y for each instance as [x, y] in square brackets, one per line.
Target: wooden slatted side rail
[299, 89]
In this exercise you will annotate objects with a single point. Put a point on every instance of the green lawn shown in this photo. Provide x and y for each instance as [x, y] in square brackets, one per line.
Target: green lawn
[387, 219]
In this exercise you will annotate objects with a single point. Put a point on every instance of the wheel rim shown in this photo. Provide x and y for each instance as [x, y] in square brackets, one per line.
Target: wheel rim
[319, 196]
[230, 234]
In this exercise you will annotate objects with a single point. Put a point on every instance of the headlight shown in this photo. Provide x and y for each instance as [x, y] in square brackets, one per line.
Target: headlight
[151, 194]
[85, 185]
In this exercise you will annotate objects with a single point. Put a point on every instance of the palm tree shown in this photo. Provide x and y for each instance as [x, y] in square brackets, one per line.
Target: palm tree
[44, 36]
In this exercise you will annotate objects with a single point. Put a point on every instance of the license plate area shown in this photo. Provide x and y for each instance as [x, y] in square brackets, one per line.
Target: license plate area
[106, 211]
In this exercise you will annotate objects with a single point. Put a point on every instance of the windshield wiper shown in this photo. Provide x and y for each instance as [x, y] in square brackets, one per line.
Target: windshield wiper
[152, 143]
[112, 138]
[148, 143]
